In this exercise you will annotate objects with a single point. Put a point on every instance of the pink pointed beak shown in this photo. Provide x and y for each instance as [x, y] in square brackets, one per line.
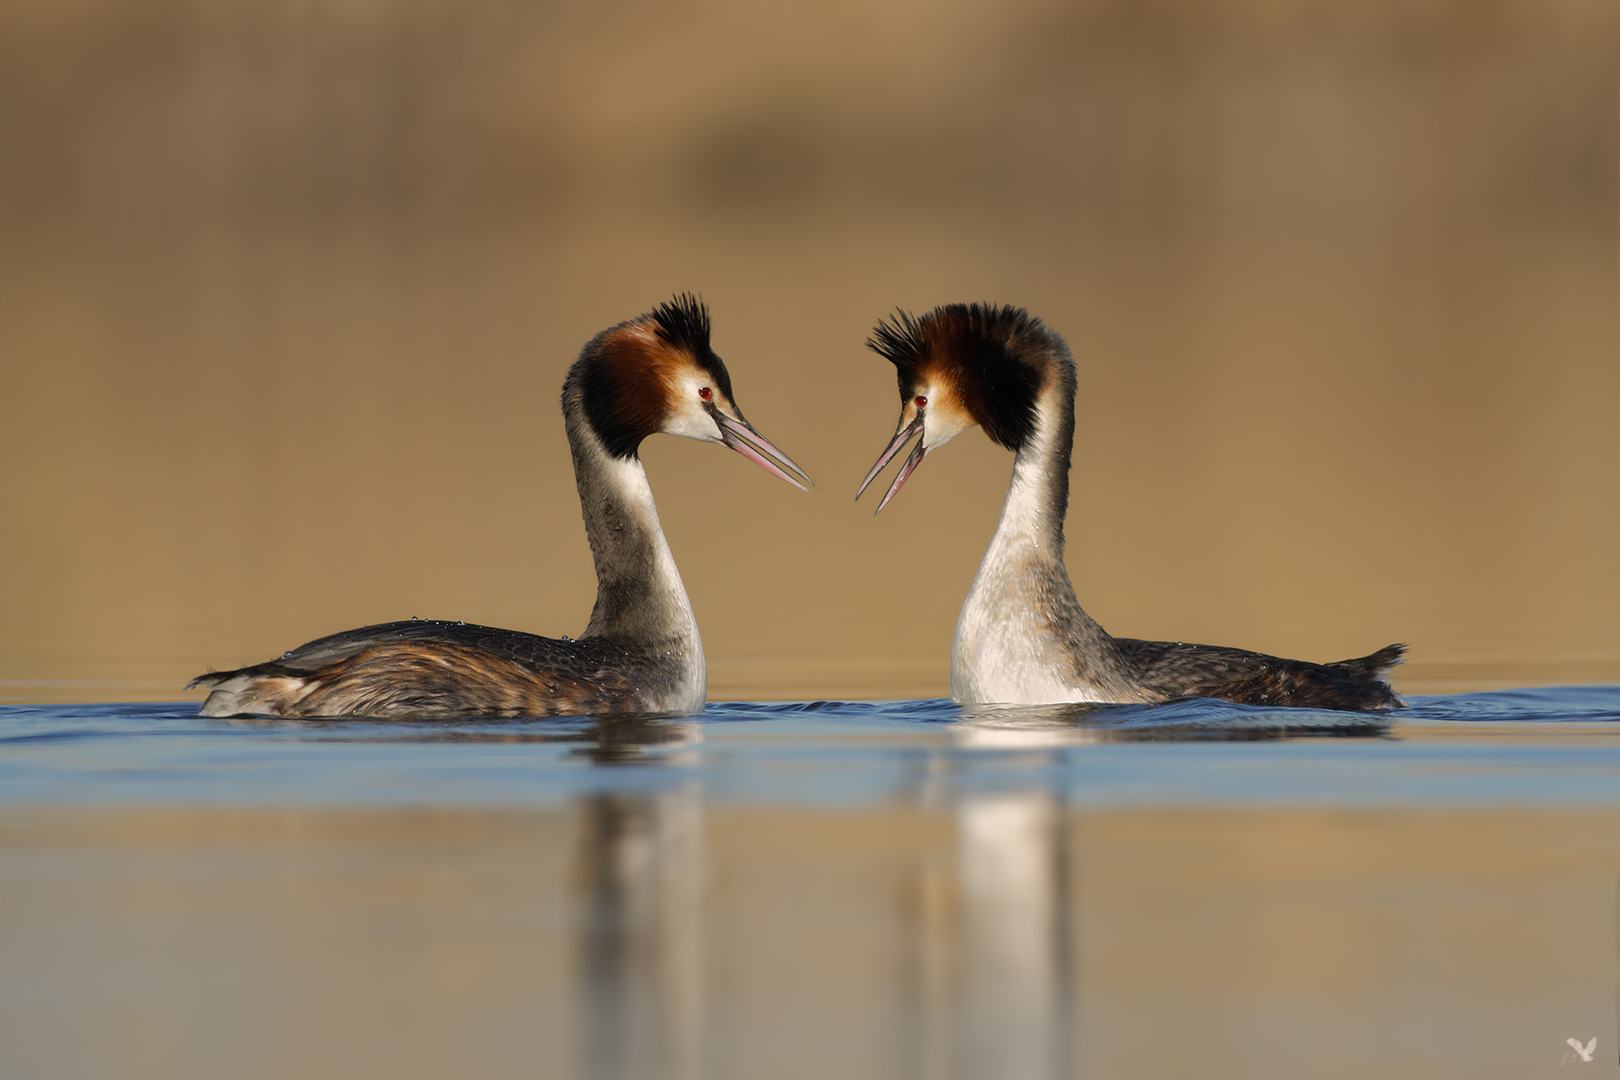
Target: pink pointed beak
[901, 437]
[741, 437]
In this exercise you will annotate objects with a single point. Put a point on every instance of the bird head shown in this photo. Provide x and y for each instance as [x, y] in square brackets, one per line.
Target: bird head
[657, 373]
[963, 365]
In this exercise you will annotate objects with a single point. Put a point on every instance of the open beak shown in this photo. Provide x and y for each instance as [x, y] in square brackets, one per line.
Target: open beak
[742, 438]
[901, 437]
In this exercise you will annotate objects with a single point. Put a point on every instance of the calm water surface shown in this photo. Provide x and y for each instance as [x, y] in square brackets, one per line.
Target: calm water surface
[1541, 745]
[815, 889]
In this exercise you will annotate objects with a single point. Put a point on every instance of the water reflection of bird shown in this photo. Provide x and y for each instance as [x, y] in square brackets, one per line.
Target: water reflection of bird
[1022, 636]
[641, 652]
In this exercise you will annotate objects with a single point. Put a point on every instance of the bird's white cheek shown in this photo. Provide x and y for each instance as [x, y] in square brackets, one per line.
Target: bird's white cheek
[942, 426]
[694, 422]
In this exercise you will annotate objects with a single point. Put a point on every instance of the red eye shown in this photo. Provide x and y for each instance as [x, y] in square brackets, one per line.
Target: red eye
[705, 393]
[920, 401]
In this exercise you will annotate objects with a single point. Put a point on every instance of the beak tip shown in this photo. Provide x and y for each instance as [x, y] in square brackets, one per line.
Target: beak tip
[739, 436]
[901, 437]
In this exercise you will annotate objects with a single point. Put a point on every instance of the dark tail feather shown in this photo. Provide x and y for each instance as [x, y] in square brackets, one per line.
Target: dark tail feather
[1376, 666]
[270, 669]
[212, 678]
[260, 690]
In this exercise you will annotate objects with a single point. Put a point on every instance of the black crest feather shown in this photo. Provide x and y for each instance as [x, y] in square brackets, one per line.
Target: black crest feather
[896, 339]
[684, 322]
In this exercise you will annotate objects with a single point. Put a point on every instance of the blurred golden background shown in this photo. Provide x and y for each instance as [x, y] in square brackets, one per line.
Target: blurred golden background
[287, 291]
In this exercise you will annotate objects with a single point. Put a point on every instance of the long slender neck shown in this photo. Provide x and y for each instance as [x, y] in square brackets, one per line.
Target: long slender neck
[1038, 498]
[1022, 636]
[639, 595]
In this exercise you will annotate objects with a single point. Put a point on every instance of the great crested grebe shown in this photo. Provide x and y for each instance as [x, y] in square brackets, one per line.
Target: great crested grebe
[641, 652]
[1022, 636]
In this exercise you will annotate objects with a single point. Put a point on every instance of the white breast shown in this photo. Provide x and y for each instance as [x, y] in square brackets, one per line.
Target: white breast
[1007, 650]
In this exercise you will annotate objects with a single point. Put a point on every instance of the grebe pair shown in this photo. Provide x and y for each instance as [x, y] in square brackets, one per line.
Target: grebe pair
[1022, 637]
